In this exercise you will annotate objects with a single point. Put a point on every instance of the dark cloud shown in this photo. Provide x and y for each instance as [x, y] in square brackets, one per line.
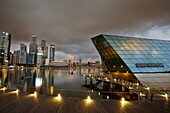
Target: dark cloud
[69, 24]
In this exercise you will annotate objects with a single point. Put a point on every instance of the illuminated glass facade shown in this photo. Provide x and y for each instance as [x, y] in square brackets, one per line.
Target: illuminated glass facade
[147, 59]
[5, 43]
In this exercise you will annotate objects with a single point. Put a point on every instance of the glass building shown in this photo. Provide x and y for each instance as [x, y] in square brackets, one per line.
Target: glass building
[23, 54]
[51, 53]
[5, 43]
[136, 59]
[33, 45]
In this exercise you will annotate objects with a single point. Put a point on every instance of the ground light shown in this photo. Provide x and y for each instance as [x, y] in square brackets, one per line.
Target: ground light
[59, 97]
[166, 96]
[147, 88]
[88, 100]
[17, 92]
[123, 100]
[3, 89]
[141, 94]
[33, 95]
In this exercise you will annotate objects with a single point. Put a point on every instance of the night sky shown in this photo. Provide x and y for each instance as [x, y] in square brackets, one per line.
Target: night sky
[69, 24]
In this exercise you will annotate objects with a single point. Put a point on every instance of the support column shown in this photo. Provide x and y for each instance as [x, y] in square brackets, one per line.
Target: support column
[123, 88]
[91, 81]
[85, 80]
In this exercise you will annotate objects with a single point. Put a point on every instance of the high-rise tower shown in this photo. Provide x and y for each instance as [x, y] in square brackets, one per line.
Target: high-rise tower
[33, 49]
[23, 54]
[33, 45]
[51, 54]
[5, 43]
[44, 50]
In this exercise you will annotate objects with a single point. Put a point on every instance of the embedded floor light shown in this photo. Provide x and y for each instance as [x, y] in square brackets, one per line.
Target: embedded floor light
[58, 96]
[107, 97]
[123, 100]
[17, 91]
[4, 88]
[35, 94]
[140, 94]
[88, 99]
[147, 88]
[166, 96]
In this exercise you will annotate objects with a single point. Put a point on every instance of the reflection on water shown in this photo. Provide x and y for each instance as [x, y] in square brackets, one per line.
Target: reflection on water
[44, 81]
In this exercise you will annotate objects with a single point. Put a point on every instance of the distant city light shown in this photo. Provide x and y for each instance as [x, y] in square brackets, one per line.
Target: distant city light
[98, 93]
[6, 33]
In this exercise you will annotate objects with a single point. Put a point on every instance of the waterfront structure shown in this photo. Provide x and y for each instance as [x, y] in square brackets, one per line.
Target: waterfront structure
[23, 54]
[5, 43]
[146, 61]
[59, 64]
[51, 54]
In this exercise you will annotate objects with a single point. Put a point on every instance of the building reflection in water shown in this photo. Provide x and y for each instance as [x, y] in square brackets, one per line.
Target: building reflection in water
[43, 80]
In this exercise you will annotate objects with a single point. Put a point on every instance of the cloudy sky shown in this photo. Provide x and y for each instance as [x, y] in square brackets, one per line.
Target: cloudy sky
[69, 24]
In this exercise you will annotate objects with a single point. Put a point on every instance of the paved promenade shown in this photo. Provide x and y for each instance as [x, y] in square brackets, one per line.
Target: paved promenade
[10, 102]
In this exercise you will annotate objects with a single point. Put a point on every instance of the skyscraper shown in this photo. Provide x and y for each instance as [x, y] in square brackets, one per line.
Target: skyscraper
[16, 55]
[43, 44]
[51, 54]
[5, 43]
[33, 45]
[40, 57]
[23, 54]
[44, 51]
[33, 49]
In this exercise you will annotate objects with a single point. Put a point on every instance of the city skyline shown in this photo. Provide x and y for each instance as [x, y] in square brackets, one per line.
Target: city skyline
[70, 24]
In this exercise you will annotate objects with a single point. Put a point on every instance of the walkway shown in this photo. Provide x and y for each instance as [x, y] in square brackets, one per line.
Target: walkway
[10, 102]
